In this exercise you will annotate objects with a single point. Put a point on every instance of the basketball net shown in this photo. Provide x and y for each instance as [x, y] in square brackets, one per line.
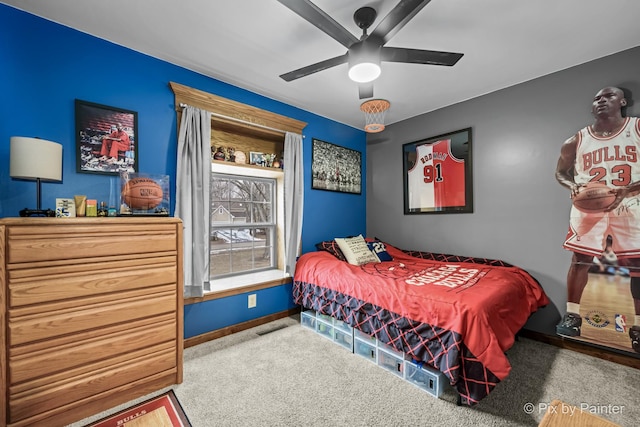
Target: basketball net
[374, 111]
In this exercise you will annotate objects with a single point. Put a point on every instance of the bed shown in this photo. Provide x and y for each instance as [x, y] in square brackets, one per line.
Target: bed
[456, 314]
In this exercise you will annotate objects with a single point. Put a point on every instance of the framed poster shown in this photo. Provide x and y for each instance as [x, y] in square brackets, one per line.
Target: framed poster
[437, 174]
[106, 139]
[335, 168]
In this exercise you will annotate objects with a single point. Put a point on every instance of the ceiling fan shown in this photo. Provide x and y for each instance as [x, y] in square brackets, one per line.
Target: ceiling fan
[365, 54]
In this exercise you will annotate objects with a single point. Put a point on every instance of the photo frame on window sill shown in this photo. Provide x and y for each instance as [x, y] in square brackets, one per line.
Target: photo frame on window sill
[106, 139]
[437, 174]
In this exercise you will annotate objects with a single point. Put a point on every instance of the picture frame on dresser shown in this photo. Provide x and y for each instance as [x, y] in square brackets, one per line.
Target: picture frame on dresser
[106, 139]
[437, 174]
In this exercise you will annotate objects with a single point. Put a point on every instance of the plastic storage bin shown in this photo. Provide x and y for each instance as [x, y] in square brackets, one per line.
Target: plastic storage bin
[358, 334]
[369, 347]
[343, 326]
[392, 362]
[425, 377]
[366, 349]
[324, 317]
[324, 329]
[308, 319]
[390, 350]
[345, 339]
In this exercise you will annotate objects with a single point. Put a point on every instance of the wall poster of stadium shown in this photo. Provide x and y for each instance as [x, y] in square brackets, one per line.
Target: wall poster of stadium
[335, 168]
[437, 174]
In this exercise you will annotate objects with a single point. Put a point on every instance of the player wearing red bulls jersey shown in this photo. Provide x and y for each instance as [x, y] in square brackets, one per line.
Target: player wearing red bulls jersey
[607, 151]
[436, 178]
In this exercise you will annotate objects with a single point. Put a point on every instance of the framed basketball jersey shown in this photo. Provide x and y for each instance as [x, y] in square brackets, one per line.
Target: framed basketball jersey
[437, 174]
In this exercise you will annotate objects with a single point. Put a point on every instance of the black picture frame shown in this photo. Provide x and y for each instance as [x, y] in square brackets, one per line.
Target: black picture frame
[95, 149]
[437, 174]
[335, 168]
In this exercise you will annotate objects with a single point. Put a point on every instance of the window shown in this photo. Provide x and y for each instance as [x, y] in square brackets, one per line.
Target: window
[249, 129]
[244, 225]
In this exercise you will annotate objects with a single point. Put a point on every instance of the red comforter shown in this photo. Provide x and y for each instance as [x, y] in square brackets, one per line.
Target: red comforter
[459, 317]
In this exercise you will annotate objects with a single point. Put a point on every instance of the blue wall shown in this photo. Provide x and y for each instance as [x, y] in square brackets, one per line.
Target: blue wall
[220, 313]
[44, 67]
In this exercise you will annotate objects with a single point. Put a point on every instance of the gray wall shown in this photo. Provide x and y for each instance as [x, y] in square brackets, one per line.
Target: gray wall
[520, 211]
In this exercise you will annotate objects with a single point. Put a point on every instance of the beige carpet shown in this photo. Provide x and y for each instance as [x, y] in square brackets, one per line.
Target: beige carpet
[282, 374]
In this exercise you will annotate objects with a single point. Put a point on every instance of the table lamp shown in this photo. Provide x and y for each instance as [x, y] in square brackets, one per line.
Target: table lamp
[37, 160]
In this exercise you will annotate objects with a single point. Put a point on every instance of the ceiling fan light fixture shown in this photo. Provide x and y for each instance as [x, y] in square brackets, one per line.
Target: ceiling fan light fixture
[364, 72]
[364, 62]
[365, 53]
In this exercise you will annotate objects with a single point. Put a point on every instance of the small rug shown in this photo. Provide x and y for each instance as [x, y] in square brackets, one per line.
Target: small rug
[560, 414]
[161, 411]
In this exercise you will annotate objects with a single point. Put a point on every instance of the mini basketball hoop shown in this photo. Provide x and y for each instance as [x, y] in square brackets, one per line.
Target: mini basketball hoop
[374, 111]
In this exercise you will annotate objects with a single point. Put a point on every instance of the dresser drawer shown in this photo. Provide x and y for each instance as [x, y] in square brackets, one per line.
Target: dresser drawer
[49, 324]
[82, 352]
[50, 284]
[72, 242]
[35, 400]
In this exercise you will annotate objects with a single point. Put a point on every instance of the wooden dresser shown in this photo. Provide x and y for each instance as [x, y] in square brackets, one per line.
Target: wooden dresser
[91, 312]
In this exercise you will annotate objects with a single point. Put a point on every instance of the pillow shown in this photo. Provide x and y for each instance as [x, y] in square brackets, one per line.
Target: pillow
[380, 249]
[332, 247]
[356, 251]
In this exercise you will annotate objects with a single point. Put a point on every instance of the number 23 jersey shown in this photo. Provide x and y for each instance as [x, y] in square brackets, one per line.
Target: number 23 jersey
[612, 160]
[437, 179]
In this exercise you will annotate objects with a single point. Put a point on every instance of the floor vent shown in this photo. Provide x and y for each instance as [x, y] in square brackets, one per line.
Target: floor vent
[277, 328]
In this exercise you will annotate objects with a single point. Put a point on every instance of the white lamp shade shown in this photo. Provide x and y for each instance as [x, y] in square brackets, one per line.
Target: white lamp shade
[33, 158]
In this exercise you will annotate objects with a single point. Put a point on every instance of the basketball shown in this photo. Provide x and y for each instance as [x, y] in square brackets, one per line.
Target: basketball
[142, 193]
[594, 197]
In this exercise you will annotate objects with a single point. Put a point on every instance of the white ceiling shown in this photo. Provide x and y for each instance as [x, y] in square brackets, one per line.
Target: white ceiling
[249, 43]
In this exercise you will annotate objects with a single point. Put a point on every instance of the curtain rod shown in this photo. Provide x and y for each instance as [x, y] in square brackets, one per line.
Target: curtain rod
[222, 116]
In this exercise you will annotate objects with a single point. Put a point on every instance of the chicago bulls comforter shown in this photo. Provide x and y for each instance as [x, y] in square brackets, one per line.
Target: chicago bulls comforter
[456, 314]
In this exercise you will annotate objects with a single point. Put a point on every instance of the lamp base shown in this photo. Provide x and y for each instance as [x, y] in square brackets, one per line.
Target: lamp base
[37, 212]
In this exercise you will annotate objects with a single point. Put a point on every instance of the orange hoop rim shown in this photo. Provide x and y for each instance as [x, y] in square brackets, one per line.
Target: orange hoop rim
[374, 111]
[375, 106]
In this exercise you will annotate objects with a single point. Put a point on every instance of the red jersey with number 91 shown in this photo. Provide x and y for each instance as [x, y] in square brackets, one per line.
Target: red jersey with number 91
[437, 179]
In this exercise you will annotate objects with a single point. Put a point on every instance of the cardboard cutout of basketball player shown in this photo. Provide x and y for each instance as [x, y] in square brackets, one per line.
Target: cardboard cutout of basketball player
[603, 282]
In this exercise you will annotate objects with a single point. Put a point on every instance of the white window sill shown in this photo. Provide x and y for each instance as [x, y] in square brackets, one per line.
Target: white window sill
[246, 280]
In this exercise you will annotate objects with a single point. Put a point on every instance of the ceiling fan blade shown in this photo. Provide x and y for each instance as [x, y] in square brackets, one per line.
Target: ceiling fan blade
[314, 68]
[365, 90]
[397, 18]
[418, 56]
[317, 17]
